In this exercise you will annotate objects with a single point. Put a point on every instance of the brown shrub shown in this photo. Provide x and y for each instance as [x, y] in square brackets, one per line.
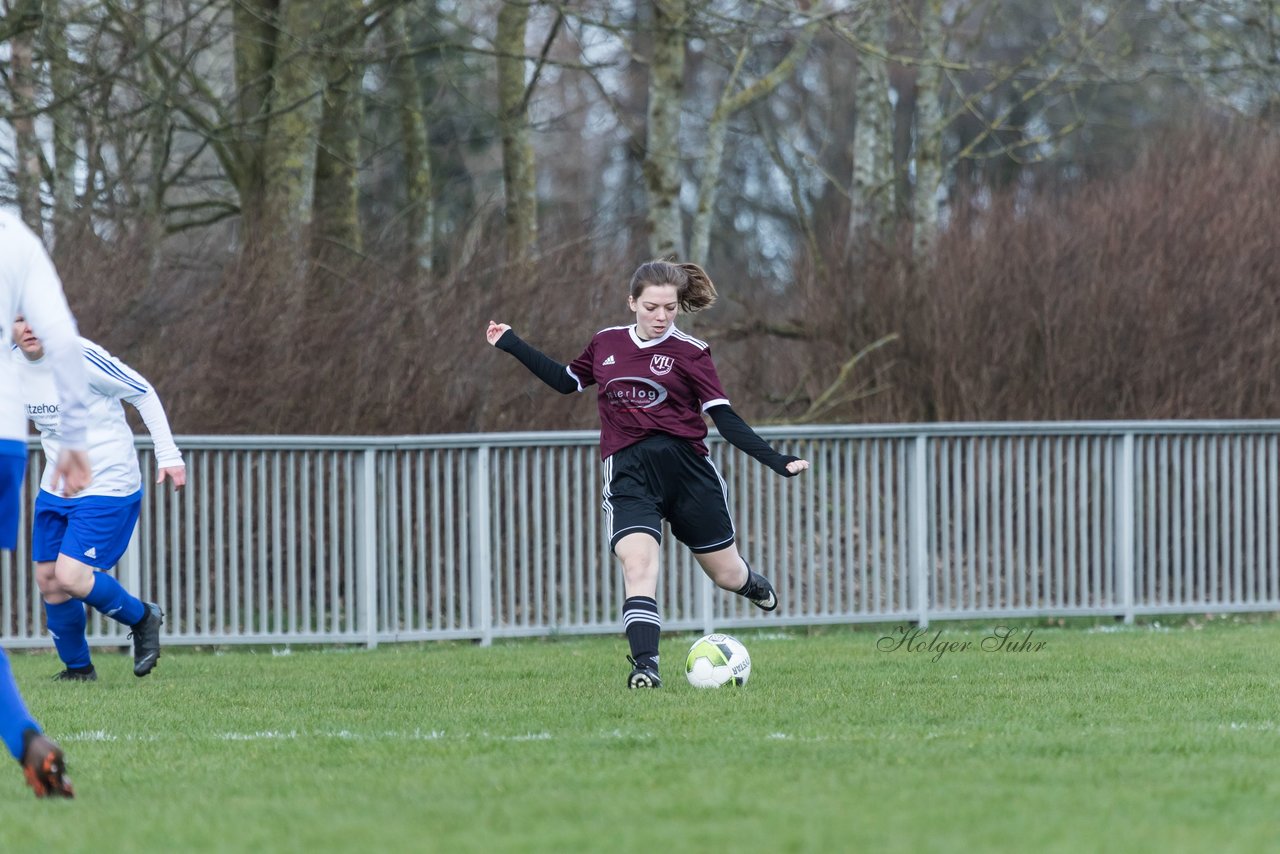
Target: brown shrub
[1151, 295]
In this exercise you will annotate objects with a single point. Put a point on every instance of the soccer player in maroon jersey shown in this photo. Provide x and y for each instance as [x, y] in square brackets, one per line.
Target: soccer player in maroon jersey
[655, 384]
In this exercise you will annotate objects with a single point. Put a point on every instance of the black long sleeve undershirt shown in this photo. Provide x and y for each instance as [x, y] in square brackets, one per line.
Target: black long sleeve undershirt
[739, 434]
[539, 364]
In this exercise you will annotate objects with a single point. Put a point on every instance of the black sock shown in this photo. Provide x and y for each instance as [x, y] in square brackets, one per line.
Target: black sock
[643, 627]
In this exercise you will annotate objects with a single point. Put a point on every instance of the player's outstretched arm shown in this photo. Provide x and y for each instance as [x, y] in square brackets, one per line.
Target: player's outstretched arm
[168, 458]
[739, 434]
[539, 364]
[113, 378]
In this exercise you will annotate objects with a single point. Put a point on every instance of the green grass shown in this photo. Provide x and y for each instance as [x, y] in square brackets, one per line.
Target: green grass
[1124, 739]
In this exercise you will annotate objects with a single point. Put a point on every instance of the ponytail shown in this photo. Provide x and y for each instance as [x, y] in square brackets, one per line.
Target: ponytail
[694, 288]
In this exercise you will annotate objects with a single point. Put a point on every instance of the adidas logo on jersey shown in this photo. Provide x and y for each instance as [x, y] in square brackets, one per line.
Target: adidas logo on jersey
[608, 361]
[92, 552]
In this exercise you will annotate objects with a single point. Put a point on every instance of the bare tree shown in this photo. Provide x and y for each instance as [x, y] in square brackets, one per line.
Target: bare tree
[337, 237]
[662, 165]
[63, 116]
[513, 118]
[419, 211]
[733, 100]
[930, 124]
[871, 188]
[23, 20]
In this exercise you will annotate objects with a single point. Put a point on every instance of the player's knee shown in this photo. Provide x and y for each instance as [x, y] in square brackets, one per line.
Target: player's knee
[46, 581]
[640, 568]
[72, 577]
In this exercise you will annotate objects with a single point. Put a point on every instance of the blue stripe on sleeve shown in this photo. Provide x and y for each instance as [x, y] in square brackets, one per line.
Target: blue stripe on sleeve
[110, 369]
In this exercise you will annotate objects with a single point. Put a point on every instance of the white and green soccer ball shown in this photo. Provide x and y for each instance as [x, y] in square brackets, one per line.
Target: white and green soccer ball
[716, 660]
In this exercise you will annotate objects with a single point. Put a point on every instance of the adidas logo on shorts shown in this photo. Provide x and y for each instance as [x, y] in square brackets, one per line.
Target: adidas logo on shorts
[92, 551]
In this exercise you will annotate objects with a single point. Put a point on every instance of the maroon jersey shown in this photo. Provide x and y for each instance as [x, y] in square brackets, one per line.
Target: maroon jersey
[647, 387]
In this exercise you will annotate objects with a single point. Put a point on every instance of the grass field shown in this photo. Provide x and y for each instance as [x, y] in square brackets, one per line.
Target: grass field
[1141, 738]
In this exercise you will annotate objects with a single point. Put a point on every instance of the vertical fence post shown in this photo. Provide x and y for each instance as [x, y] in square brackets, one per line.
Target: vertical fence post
[1124, 526]
[706, 605]
[481, 553]
[129, 570]
[918, 528]
[366, 505]
[129, 567]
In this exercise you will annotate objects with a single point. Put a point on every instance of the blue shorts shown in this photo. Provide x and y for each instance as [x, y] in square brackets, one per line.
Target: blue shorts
[95, 529]
[13, 465]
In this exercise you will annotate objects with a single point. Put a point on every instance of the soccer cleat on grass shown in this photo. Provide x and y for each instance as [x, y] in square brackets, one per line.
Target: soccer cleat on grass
[77, 675]
[643, 675]
[146, 640]
[45, 767]
[759, 591]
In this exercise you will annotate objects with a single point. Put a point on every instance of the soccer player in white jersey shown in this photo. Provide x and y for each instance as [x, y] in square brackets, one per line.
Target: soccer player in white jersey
[29, 286]
[76, 540]
[655, 385]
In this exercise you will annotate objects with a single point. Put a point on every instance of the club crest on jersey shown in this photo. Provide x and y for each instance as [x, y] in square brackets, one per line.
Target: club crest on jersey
[661, 365]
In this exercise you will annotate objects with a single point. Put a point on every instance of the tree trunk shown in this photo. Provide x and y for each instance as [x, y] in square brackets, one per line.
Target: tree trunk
[336, 236]
[289, 153]
[63, 116]
[517, 151]
[871, 194]
[254, 23]
[156, 89]
[27, 171]
[415, 142]
[662, 171]
[929, 127]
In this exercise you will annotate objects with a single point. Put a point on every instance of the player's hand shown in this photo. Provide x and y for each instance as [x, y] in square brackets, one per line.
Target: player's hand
[494, 332]
[177, 474]
[73, 471]
[797, 466]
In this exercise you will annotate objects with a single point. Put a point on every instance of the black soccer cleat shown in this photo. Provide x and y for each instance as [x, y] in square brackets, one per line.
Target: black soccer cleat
[759, 591]
[88, 674]
[643, 675]
[45, 767]
[146, 640]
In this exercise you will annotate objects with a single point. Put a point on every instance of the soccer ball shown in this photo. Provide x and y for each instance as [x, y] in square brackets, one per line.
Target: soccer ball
[716, 660]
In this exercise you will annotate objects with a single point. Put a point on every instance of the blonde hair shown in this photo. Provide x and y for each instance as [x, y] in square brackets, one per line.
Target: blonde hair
[694, 289]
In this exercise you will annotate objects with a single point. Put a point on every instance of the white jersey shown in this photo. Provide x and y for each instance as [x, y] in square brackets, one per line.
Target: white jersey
[109, 437]
[30, 287]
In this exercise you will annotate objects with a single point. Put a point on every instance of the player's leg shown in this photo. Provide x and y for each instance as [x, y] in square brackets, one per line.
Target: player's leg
[730, 571]
[41, 759]
[701, 520]
[43, 763]
[97, 534]
[635, 535]
[64, 615]
[67, 622]
[639, 555]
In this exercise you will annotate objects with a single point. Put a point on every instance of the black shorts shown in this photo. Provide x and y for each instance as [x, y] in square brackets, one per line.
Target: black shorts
[662, 477]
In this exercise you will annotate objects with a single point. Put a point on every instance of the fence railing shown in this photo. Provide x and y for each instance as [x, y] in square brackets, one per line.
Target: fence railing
[371, 540]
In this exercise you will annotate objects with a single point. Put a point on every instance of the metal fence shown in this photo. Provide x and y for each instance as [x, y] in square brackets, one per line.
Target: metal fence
[370, 540]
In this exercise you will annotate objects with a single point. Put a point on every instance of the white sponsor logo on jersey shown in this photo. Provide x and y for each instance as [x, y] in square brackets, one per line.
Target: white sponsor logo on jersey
[608, 361]
[634, 393]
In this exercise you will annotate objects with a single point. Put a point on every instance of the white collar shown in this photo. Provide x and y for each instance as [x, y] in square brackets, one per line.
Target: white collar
[641, 343]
